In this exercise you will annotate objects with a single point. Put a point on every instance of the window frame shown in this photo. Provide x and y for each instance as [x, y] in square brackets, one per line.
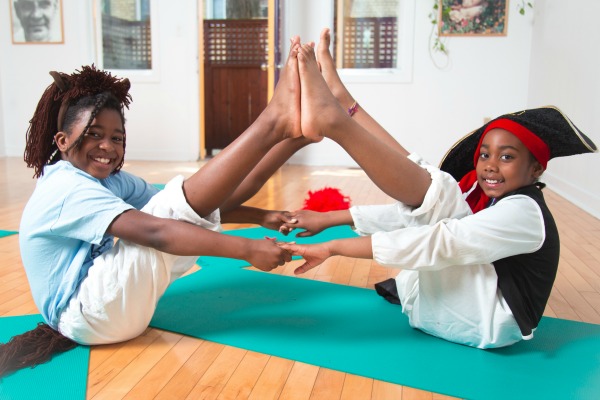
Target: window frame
[403, 73]
[137, 75]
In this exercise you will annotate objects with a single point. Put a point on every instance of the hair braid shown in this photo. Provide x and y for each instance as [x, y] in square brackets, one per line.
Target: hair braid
[40, 146]
[100, 101]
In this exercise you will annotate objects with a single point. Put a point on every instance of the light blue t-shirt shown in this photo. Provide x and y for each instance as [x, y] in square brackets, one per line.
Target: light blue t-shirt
[63, 228]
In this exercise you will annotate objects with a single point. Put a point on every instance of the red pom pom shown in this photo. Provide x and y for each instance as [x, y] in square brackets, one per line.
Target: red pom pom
[326, 199]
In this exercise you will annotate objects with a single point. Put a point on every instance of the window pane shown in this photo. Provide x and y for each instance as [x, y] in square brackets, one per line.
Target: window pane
[368, 32]
[235, 9]
[126, 34]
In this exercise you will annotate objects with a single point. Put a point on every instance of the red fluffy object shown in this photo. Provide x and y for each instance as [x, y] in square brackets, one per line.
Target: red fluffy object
[326, 199]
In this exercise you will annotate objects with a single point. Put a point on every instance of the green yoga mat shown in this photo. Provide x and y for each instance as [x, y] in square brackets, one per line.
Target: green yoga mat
[7, 233]
[63, 377]
[353, 330]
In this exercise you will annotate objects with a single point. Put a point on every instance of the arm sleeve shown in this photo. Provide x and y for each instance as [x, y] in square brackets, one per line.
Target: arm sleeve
[443, 199]
[132, 189]
[513, 226]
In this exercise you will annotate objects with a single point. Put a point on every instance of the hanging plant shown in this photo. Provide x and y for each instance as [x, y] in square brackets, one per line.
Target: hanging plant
[436, 44]
[523, 5]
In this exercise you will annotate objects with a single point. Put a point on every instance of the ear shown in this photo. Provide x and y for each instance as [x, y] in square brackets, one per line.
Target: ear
[62, 142]
[538, 170]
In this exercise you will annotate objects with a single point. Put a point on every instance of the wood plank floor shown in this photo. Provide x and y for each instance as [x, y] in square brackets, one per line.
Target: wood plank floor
[164, 365]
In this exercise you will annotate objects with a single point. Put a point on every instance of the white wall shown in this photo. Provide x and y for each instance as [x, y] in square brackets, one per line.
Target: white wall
[2, 151]
[163, 120]
[564, 72]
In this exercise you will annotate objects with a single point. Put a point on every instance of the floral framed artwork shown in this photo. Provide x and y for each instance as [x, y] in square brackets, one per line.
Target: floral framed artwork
[36, 21]
[472, 17]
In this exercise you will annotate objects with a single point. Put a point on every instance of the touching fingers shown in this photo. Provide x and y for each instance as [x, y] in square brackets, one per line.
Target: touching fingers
[290, 248]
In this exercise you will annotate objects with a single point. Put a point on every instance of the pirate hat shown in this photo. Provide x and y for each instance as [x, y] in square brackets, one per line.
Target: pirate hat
[560, 136]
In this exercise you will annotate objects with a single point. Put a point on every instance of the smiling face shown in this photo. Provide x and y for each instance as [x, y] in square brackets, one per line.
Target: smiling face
[102, 148]
[505, 164]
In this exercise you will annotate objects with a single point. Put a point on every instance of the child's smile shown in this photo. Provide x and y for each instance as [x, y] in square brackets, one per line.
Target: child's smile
[101, 150]
[505, 164]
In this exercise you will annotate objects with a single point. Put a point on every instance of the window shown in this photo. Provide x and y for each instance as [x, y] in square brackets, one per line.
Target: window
[126, 40]
[235, 9]
[374, 40]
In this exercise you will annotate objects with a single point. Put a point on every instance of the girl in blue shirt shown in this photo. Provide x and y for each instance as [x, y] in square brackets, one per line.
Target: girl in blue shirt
[93, 290]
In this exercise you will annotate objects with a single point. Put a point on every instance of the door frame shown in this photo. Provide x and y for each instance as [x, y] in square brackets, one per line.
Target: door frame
[274, 55]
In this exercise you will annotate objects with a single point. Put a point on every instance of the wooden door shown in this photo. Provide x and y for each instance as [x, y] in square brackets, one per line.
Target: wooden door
[235, 77]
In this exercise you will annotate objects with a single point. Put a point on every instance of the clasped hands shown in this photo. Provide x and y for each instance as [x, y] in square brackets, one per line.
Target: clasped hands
[311, 223]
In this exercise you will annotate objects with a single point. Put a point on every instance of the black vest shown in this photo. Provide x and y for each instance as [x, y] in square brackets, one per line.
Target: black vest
[526, 280]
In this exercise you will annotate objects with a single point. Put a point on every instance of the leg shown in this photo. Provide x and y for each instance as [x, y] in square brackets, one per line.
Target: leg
[344, 97]
[214, 183]
[390, 170]
[263, 171]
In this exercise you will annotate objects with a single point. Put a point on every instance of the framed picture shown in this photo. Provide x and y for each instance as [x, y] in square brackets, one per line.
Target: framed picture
[36, 21]
[472, 17]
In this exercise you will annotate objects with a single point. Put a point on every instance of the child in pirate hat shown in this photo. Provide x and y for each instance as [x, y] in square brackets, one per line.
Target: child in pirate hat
[476, 272]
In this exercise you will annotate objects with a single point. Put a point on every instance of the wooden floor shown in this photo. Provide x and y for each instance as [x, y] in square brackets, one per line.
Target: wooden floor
[165, 365]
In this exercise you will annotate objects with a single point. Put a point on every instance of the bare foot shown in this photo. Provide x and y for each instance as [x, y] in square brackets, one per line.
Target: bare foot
[329, 71]
[284, 106]
[320, 110]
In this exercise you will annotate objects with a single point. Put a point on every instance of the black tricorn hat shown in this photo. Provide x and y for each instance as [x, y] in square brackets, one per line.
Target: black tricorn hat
[561, 136]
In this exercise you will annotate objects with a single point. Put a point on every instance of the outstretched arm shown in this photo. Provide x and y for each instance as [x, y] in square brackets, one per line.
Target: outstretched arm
[186, 239]
[316, 254]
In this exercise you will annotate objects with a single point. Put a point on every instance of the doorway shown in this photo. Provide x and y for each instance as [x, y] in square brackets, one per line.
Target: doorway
[240, 65]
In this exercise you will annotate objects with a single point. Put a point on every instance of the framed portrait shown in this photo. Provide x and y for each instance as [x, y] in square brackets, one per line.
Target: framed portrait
[36, 21]
[472, 17]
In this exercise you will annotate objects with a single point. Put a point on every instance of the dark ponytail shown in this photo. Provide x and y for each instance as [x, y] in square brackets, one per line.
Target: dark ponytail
[32, 348]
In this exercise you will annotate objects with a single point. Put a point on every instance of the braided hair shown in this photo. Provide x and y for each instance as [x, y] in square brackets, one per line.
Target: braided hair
[63, 103]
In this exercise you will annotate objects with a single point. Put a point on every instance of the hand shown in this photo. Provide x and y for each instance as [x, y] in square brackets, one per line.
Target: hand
[281, 221]
[267, 255]
[314, 255]
[312, 222]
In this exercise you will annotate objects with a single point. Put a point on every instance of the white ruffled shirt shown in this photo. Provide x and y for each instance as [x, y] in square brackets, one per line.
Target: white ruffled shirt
[448, 286]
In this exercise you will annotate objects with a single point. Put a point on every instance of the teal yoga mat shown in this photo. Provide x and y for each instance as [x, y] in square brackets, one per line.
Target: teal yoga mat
[63, 377]
[353, 330]
[7, 233]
